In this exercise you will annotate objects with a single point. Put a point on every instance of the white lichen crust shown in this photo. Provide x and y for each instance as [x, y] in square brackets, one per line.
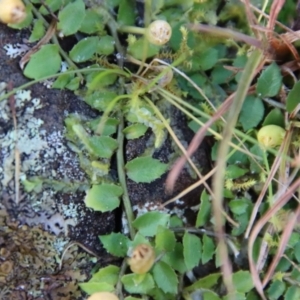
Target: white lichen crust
[39, 151]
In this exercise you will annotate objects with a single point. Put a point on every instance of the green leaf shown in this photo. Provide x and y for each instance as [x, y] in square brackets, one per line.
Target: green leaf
[204, 283]
[192, 249]
[109, 274]
[38, 31]
[165, 277]
[176, 221]
[44, 62]
[92, 22]
[276, 289]
[94, 287]
[233, 171]
[252, 295]
[145, 169]
[199, 79]
[235, 295]
[84, 49]
[210, 295]
[101, 79]
[126, 15]
[138, 284]
[237, 156]
[165, 239]
[138, 239]
[274, 117]
[100, 99]
[252, 112]
[240, 62]
[62, 80]
[176, 37]
[110, 4]
[34, 184]
[269, 82]
[259, 152]
[206, 60]
[54, 5]
[242, 281]
[221, 75]
[292, 293]
[98, 168]
[144, 114]
[115, 244]
[103, 197]
[293, 240]
[283, 265]
[239, 206]
[293, 98]
[297, 251]
[204, 210]
[295, 274]
[106, 45]
[110, 126]
[141, 49]
[148, 223]
[73, 84]
[175, 259]
[242, 220]
[208, 249]
[135, 131]
[103, 146]
[71, 17]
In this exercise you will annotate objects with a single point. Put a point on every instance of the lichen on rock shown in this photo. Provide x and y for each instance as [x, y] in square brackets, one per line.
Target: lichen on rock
[39, 152]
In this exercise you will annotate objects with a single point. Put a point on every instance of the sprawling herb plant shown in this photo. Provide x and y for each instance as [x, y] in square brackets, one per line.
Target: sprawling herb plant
[127, 78]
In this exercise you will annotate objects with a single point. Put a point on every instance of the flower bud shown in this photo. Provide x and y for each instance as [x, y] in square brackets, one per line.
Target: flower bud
[159, 32]
[12, 11]
[142, 259]
[270, 136]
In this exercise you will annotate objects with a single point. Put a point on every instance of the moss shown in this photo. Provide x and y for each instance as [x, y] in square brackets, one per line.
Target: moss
[29, 258]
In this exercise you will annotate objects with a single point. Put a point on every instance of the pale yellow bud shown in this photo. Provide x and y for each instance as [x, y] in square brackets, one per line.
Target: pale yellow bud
[142, 259]
[270, 136]
[159, 32]
[12, 11]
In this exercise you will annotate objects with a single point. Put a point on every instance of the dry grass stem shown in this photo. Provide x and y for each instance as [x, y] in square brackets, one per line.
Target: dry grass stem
[257, 229]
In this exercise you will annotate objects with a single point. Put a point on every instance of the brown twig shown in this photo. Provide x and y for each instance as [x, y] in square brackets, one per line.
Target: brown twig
[12, 105]
[282, 245]
[258, 227]
[271, 175]
[49, 10]
[46, 38]
[227, 33]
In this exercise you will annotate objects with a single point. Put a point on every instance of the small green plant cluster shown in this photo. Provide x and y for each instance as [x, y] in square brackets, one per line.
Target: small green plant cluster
[177, 250]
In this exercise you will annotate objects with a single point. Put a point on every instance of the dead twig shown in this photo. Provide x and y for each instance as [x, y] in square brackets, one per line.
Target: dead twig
[282, 245]
[47, 37]
[12, 105]
[258, 227]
